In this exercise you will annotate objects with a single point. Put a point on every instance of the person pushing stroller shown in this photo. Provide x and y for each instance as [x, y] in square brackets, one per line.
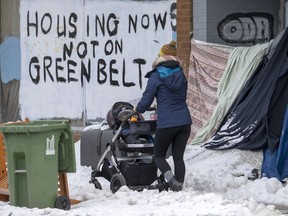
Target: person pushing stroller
[168, 84]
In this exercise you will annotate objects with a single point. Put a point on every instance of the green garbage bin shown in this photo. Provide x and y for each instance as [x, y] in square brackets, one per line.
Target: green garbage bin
[36, 151]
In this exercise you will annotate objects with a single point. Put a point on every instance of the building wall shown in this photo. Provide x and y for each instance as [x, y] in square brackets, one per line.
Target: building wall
[236, 22]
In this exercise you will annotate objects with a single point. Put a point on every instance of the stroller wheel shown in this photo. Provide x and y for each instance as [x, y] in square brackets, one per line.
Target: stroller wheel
[116, 182]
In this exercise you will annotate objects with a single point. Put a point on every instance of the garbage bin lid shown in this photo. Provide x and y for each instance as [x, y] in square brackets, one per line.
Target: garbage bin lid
[34, 126]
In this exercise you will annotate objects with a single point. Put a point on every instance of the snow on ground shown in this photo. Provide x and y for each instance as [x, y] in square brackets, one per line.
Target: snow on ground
[217, 184]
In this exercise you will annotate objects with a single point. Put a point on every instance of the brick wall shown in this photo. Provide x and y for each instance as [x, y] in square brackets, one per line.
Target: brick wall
[184, 28]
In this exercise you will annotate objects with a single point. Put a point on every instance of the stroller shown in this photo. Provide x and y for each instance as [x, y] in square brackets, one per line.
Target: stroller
[128, 157]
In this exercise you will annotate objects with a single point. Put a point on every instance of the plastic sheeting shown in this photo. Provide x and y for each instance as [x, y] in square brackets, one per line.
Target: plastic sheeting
[9, 79]
[256, 118]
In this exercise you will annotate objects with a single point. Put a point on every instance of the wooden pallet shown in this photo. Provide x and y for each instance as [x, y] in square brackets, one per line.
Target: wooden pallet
[63, 187]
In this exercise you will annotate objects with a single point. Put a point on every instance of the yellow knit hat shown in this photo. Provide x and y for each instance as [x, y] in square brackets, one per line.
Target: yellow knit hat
[168, 49]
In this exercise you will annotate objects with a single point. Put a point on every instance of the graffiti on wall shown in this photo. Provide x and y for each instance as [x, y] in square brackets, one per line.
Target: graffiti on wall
[88, 55]
[50, 67]
[246, 28]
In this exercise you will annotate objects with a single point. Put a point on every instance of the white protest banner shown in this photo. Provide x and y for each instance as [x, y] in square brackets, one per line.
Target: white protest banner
[82, 56]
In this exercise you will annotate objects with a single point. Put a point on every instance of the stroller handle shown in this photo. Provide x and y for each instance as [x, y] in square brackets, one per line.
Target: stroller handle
[153, 108]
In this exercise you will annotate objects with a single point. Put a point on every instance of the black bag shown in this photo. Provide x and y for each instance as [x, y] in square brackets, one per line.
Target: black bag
[139, 173]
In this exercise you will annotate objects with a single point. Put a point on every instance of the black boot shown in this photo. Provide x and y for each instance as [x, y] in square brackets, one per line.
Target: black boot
[172, 182]
[175, 185]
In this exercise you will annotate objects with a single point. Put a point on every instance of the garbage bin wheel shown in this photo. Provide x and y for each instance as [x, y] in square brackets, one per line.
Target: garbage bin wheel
[116, 182]
[63, 202]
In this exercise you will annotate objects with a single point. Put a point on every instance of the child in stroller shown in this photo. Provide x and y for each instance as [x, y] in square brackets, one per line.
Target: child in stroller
[126, 135]
[128, 158]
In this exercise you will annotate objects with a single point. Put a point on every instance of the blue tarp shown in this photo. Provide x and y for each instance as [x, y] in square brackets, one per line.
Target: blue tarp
[275, 164]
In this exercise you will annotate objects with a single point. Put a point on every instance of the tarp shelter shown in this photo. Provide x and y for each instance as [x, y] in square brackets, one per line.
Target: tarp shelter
[255, 119]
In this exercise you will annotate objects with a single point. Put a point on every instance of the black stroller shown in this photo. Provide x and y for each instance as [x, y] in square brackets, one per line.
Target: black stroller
[128, 158]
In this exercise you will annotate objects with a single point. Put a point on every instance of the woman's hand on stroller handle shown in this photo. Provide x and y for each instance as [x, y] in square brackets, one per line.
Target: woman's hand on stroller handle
[129, 116]
[152, 108]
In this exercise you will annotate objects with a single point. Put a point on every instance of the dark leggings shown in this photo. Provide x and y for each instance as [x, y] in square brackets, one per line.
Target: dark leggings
[178, 137]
